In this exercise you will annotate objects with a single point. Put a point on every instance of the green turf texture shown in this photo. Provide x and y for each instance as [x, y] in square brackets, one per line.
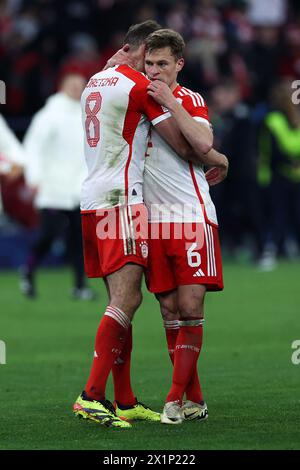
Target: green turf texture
[250, 384]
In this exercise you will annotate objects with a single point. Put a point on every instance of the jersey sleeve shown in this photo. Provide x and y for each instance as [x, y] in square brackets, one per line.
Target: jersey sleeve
[195, 105]
[148, 106]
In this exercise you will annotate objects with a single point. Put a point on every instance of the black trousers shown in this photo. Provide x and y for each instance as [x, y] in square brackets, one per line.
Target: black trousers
[284, 210]
[239, 213]
[54, 223]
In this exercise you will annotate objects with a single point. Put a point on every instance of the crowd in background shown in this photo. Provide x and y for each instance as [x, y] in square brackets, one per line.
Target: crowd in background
[241, 55]
[253, 41]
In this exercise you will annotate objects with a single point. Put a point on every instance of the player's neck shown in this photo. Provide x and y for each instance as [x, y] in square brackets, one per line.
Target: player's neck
[173, 86]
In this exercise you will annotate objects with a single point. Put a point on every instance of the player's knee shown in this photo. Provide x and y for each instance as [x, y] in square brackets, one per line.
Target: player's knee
[127, 303]
[136, 300]
[133, 301]
[188, 309]
[168, 314]
[168, 307]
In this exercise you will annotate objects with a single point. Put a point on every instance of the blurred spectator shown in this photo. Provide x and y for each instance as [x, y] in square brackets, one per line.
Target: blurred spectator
[263, 61]
[12, 155]
[55, 168]
[279, 172]
[145, 12]
[253, 41]
[289, 63]
[264, 13]
[207, 42]
[16, 197]
[238, 27]
[178, 18]
[84, 57]
[237, 197]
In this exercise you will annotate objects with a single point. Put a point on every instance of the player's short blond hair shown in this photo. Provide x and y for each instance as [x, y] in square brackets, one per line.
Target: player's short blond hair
[137, 33]
[166, 38]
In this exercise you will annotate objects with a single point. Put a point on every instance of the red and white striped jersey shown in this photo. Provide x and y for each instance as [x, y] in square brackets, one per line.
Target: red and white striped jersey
[175, 190]
[116, 111]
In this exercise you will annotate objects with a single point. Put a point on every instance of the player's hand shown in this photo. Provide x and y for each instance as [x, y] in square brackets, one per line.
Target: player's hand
[161, 93]
[16, 172]
[217, 174]
[13, 172]
[121, 57]
[33, 190]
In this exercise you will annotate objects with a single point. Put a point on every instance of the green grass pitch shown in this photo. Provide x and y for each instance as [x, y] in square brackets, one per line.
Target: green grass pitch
[250, 383]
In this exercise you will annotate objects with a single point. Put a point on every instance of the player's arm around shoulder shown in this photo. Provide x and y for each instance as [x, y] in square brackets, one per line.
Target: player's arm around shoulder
[219, 166]
[198, 134]
[121, 57]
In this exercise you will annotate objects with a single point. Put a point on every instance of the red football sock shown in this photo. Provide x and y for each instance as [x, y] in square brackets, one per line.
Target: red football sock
[110, 340]
[172, 330]
[188, 346]
[121, 374]
[193, 390]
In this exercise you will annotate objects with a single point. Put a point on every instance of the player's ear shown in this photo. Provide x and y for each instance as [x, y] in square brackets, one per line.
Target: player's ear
[142, 49]
[180, 64]
[126, 48]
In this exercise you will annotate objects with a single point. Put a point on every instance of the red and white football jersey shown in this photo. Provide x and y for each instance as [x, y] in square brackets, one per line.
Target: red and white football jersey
[116, 113]
[175, 190]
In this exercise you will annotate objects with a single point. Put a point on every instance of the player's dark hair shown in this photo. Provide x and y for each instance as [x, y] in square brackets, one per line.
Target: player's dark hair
[166, 38]
[137, 33]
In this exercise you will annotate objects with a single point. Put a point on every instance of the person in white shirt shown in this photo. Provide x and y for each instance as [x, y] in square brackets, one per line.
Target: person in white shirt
[12, 155]
[55, 168]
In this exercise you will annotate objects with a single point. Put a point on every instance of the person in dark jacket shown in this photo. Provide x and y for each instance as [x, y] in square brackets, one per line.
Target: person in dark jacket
[237, 198]
[279, 170]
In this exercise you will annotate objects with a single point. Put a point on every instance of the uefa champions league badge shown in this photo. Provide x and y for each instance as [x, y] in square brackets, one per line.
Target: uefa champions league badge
[144, 249]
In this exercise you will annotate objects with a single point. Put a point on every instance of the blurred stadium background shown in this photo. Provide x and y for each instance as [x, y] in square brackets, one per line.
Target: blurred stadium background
[242, 56]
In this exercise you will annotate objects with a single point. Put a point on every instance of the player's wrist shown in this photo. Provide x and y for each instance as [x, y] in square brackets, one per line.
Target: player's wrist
[221, 161]
[173, 106]
[225, 162]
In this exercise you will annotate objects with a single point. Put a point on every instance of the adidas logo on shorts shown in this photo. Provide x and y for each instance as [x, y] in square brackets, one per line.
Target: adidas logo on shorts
[199, 273]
